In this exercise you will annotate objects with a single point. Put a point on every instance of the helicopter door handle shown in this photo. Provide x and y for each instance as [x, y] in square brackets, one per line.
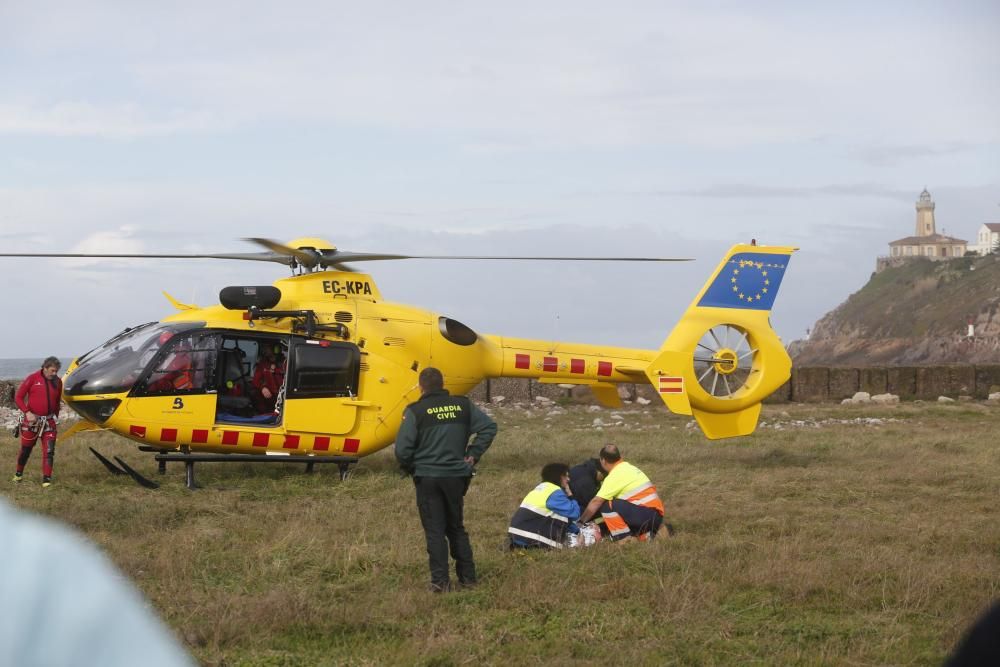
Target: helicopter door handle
[360, 404]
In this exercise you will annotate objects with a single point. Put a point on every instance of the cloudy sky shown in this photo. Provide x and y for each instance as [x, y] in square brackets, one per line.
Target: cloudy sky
[641, 128]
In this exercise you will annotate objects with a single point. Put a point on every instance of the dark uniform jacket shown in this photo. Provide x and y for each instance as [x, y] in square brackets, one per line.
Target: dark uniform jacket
[583, 481]
[433, 440]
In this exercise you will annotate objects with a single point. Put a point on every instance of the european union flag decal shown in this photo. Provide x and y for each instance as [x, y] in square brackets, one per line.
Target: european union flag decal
[748, 280]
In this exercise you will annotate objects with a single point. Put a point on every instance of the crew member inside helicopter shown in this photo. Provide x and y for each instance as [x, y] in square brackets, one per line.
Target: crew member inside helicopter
[177, 371]
[268, 377]
[250, 392]
[235, 396]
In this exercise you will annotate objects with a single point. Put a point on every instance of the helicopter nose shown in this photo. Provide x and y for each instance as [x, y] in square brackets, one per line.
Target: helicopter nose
[96, 411]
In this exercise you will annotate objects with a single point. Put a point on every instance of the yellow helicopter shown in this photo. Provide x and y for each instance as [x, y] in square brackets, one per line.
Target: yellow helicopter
[318, 368]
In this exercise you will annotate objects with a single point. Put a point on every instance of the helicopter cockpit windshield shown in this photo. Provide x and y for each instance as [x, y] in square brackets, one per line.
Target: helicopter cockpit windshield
[115, 366]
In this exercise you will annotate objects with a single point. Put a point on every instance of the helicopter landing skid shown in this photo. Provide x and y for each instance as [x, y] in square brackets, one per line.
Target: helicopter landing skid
[124, 469]
[344, 463]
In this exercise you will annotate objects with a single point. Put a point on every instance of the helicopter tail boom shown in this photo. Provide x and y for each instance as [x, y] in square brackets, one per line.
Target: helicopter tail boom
[723, 358]
[566, 363]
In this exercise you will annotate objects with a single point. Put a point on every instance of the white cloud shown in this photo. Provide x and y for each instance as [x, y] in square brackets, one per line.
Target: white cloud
[748, 191]
[112, 242]
[559, 75]
[75, 119]
[564, 127]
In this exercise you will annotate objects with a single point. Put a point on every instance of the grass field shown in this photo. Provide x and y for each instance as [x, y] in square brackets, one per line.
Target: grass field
[825, 538]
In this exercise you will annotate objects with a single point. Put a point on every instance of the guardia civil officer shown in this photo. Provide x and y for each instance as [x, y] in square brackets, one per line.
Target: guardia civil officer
[433, 445]
[38, 399]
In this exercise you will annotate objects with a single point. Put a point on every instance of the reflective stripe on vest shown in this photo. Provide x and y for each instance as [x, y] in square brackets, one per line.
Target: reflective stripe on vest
[534, 521]
[645, 496]
[640, 491]
[535, 501]
[615, 523]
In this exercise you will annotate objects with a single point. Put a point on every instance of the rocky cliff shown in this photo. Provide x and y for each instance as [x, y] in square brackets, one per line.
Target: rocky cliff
[916, 313]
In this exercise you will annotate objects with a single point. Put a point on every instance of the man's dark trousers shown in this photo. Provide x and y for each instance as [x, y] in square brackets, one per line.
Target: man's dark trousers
[440, 501]
[639, 519]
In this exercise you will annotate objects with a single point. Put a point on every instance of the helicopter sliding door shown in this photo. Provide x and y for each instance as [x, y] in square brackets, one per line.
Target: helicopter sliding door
[322, 387]
[250, 380]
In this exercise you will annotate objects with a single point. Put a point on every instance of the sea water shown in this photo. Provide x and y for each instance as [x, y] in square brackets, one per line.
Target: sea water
[18, 369]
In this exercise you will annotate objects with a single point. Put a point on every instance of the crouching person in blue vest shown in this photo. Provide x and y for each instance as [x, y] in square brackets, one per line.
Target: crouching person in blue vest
[547, 513]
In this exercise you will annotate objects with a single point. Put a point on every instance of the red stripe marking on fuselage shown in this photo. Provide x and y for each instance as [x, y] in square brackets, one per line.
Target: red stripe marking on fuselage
[291, 442]
[260, 439]
[351, 445]
[321, 444]
[230, 437]
[168, 435]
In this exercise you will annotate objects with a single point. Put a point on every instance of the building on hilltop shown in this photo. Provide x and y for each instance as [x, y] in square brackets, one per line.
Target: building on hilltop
[926, 243]
[988, 239]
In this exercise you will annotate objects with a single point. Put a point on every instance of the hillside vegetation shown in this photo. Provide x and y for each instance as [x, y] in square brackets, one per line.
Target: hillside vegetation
[911, 314]
[834, 535]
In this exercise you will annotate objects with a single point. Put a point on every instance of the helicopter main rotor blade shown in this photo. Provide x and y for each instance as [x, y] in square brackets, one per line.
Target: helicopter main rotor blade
[310, 258]
[330, 258]
[342, 267]
[255, 256]
[368, 256]
[304, 257]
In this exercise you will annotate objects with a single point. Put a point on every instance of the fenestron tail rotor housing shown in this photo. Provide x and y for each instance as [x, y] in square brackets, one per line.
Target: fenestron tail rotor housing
[724, 361]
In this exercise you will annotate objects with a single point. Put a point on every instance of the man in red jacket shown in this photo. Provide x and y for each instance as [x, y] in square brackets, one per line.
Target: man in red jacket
[38, 398]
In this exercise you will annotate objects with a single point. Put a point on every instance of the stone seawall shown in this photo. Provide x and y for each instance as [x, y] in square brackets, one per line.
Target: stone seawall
[809, 384]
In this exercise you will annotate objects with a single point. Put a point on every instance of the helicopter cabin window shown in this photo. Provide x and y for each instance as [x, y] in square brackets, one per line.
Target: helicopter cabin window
[251, 380]
[118, 364]
[323, 369]
[184, 365]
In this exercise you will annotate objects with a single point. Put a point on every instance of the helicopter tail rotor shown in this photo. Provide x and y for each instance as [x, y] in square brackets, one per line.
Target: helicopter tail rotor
[723, 358]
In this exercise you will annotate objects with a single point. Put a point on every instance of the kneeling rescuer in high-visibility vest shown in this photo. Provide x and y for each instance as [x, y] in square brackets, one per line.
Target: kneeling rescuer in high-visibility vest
[546, 513]
[627, 499]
